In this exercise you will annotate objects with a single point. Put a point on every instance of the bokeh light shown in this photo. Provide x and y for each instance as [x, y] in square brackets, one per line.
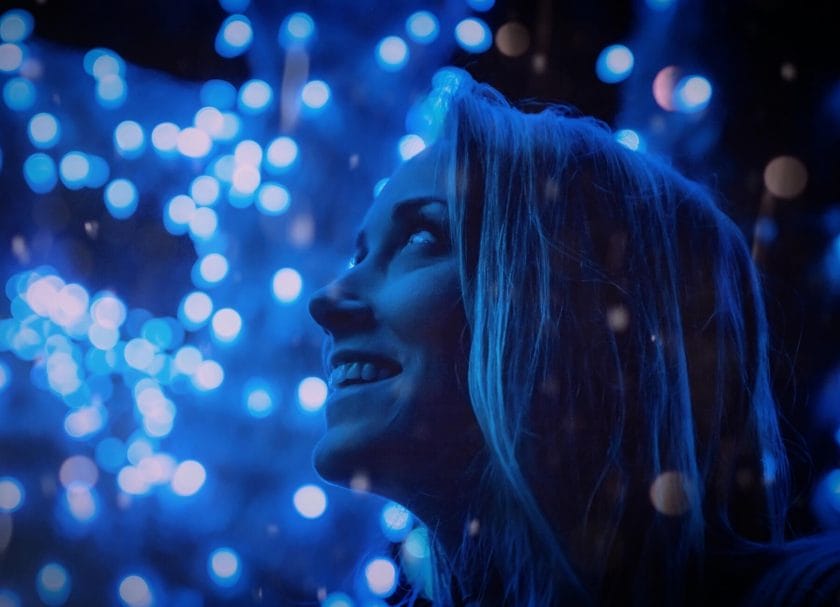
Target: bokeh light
[286, 285]
[614, 63]
[134, 591]
[255, 96]
[392, 53]
[282, 153]
[189, 478]
[15, 25]
[473, 35]
[11, 494]
[44, 130]
[296, 29]
[224, 567]
[310, 501]
[273, 198]
[129, 139]
[234, 37]
[226, 324]
[692, 94]
[410, 145]
[315, 94]
[53, 584]
[121, 198]
[312, 392]
[785, 177]
[513, 39]
[381, 576]
[422, 27]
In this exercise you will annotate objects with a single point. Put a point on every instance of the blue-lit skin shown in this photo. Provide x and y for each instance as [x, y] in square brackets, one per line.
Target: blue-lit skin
[219, 94]
[614, 64]
[392, 53]
[234, 37]
[315, 94]
[255, 96]
[296, 30]
[74, 169]
[121, 198]
[129, 139]
[473, 35]
[19, 94]
[422, 27]
[11, 57]
[40, 173]
[399, 305]
[44, 130]
[15, 25]
[692, 94]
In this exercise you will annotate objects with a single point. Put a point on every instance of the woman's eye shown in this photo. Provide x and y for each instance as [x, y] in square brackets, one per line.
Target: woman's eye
[422, 237]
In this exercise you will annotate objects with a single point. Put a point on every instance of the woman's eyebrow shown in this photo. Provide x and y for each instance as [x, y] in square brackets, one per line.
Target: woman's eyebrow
[414, 205]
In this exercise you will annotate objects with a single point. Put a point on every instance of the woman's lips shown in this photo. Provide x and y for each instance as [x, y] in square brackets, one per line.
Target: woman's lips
[359, 372]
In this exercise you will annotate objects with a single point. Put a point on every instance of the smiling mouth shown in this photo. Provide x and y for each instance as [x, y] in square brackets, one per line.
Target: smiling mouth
[354, 373]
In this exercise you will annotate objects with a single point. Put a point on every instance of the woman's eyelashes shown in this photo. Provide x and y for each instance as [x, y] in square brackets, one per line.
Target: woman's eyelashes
[425, 237]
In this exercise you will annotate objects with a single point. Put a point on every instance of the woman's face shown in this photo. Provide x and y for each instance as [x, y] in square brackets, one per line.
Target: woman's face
[398, 413]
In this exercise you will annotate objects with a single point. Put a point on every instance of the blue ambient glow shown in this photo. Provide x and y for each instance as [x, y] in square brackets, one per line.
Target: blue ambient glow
[392, 53]
[614, 64]
[121, 198]
[44, 130]
[234, 37]
[255, 96]
[234, 6]
[310, 501]
[219, 94]
[40, 173]
[223, 566]
[315, 94]
[422, 27]
[19, 93]
[381, 576]
[473, 35]
[129, 139]
[692, 94]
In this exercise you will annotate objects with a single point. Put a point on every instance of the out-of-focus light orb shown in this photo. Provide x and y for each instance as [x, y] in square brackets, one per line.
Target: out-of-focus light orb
[44, 130]
[12, 494]
[296, 29]
[139, 449]
[40, 173]
[473, 35]
[208, 376]
[19, 94]
[110, 453]
[259, 402]
[213, 267]
[219, 94]
[416, 544]
[195, 309]
[785, 177]
[161, 333]
[194, 143]
[669, 494]
[11, 56]
[381, 576]
[282, 153]
[513, 39]
[410, 145]
[53, 584]
[165, 137]
[338, 599]
[692, 94]
[231, 124]
[134, 591]
[187, 359]
[15, 25]
[246, 179]
[81, 502]
[614, 63]
[104, 63]
[663, 87]
[234, 37]
[210, 120]
[481, 5]
[392, 53]
[311, 393]
[422, 27]
[5, 376]
[99, 171]
[273, 199]
[226, 325]
[85, 421]
[130, 480]
[111, 91]
[224, 567]
[121, 198]
[108, 311]
[203, 223]
[315, 94]
[79, 470]
[178, 213]
[74, 169]
[10, 599]
[234, 6]
[129, 139]
[286, 285]
[255, 96]
[188, 479]
[248, 152]
[204, 190]
[630, 139]
[395, 521]
[139, 353]
[310, 501]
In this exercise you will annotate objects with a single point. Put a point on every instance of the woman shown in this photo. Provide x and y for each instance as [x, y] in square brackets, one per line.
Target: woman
[553, 351]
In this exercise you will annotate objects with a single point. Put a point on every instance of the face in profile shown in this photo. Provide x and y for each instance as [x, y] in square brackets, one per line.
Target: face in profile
[398, 412]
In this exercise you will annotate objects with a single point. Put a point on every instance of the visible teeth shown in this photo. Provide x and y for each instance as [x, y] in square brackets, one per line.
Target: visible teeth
[357, 372]
[354, 371]
[368, 372]
[382, 373]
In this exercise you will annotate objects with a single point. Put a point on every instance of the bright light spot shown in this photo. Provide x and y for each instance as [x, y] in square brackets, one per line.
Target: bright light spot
[315, 94]
[11, 494]
[785, 177]
[392, 53]
[223, 566]
[203, 223]
[111, 91]
[282, 152]
[139, 353]
[614, 63]
[129, 139]
[40, 173]
[223, 168]
[53, 584]
[410, 145]
[473, 35]
[395, 521]
[213, 267]
[11, 56]
[80, 502]
[255, 96]
[131, 481]
[79, 470]
[422, 27]
[194, 143]
[71, 305]
[74, 168]
[481, 5]
[189, 477]
[286, 285]
[195, 309]
[296, 29]
[108, 311]
[310, 501]
[259, 402]
[669, 494]
[218, 94]
[208, 376]
[312, 392]
[416, 544]
[85, 421]
[230, 126]
[381, 576]
[104, 63]
[138, 450]
[179, 211]
[692, 94]
[338, 599]
[273, 199]
[248, 152]
[121, 198]
[210, 120]
[234, 37]
[629, 139]
[204, 190]
[44, 130]
[18, 93]
[15, 25]
[246, 179]
[165, 137]
[135, 592]
[226, 324]
[513, 39]
[187, 359]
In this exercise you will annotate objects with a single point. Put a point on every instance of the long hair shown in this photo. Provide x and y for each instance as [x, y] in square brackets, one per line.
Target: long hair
[617, 368]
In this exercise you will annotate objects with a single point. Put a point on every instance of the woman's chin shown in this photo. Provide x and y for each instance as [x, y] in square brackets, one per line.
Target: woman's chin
[341, 458]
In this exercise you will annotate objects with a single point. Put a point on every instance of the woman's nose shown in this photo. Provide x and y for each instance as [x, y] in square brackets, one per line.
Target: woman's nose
[338, 311]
